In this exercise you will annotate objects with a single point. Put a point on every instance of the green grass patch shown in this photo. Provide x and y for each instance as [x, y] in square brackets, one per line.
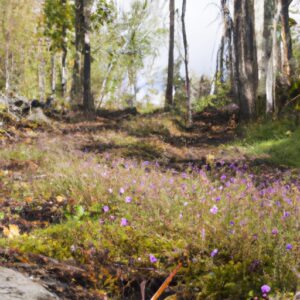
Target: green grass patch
[277, 142]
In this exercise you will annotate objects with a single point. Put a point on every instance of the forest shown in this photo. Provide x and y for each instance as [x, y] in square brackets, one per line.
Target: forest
[128, 170]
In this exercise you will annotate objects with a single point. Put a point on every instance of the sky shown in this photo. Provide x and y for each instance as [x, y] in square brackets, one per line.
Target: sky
[203, 30]
[203, 21]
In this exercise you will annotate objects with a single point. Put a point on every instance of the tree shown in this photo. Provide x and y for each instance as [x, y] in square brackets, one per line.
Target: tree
[169, 90]
[88, 101]
[59, 21]
[246, 57]
[186, 64]
[76, 90]
[225, 59]
[19, 52]
[286, 40]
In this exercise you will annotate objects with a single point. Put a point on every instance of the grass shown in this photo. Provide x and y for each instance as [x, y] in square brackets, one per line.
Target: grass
[121, 211]
[277, 142]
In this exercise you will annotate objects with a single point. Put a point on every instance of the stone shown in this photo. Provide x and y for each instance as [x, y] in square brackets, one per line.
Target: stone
[37, 115]
[14, 286]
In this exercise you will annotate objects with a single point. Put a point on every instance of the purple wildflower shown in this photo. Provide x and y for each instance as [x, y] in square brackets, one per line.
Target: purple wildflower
[128, 199]
[223, 177]
[124, 222]
[218, 199]
[275, 231]
[214, 252]
[152, 258]
[146, 163]
[121, 191]
[184, 175]
[289, 247]
[105, 208]
[265, 289]
[110, 190]
[231, 223]
[214, 210]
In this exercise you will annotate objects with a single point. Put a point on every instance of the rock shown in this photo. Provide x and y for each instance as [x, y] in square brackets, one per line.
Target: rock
[231, 108]
[14, 286]
[37, 115]
[297, 296]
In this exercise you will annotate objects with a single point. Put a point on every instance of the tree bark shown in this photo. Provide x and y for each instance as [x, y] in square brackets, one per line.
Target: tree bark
[76, 90]
[186, 64]
[272, 61]
[64, 57]
[246, 57]
[41, 72]
[286, 41]
[7, 69]
[170, 82]
[88, 101]
[53, 74]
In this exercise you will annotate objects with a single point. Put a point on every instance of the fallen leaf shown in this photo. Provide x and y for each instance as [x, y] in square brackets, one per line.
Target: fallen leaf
[12, 231]
[210, 158]
[28, 200]
[60, 199]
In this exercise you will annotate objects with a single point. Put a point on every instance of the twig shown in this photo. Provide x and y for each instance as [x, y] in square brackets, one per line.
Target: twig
[166, 283]
[292, 100]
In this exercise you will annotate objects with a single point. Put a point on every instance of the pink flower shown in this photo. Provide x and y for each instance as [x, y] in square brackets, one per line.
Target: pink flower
[105, 208]
[214, 210]
[121, 191]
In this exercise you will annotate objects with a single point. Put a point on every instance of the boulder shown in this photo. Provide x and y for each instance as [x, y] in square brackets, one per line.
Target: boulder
[14, 286]
[37, 115]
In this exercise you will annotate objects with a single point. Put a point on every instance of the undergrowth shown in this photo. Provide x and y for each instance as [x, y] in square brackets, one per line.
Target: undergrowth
[276, 141]
[232, 237]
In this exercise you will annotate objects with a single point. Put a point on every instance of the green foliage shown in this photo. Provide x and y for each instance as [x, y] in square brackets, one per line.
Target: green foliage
[221, 98]
[59, 22]
[276, 141]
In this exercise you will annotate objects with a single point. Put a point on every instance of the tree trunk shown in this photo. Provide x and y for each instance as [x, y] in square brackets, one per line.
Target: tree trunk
[53, 74]
[64, 72]
[220, 74]
[7, 69]
[88, 101]
[186, 64]
[264, 21]
[170, 81]
[41, 72]
[246, 57]
[225, 63]
[64, 58]
[286, 41]
[76, 90]
[273, 64]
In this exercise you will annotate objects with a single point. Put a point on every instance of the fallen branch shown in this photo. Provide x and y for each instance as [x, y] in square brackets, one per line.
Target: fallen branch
[166, 283]
[292, 100]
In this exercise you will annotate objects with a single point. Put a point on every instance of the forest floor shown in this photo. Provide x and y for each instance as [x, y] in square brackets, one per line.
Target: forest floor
[59, 178]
